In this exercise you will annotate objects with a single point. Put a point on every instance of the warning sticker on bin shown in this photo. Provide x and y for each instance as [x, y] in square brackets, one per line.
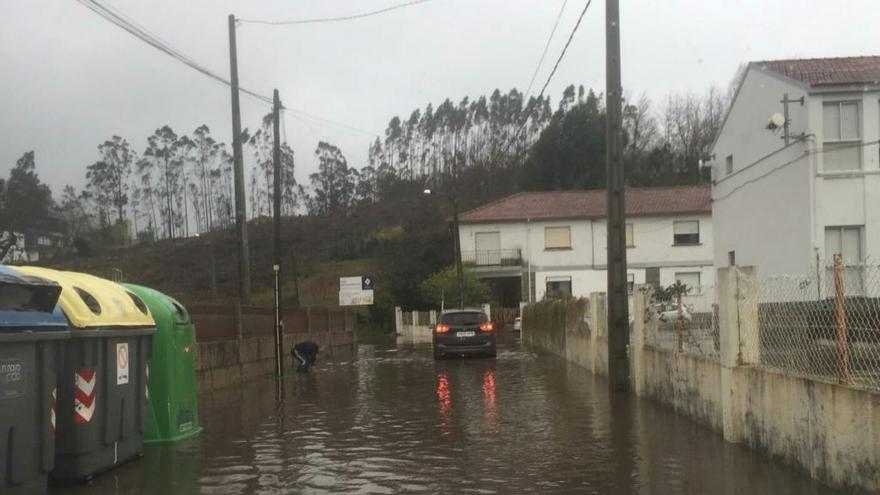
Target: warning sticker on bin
[121, 364]
[12, 378]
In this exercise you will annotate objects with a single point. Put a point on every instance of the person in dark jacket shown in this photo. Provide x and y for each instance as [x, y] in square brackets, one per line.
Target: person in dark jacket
[305, 354]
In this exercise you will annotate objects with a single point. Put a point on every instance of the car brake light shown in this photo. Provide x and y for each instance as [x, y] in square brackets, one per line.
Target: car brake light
[486, 327]
[441, 329]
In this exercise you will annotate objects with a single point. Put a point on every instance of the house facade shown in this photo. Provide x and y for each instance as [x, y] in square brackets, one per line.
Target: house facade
[788, 207]
[544, 244]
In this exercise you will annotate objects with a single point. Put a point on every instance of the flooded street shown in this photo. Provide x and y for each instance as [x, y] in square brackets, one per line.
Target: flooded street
[391, 420]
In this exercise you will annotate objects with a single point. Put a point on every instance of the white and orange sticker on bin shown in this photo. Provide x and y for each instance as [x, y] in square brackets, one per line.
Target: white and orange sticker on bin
[122, 364]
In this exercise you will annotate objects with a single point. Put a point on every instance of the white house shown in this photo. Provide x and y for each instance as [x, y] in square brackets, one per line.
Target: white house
[787, 208]
[541, 243]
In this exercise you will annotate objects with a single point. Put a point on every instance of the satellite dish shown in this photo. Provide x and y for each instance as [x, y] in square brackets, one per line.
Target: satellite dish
[777, 120]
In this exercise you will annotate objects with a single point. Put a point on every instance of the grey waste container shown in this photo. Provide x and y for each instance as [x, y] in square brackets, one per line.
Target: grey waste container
[102, 389]
[32, 334]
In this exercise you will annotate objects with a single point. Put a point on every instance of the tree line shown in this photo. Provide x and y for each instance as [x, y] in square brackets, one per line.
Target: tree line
[483, 148]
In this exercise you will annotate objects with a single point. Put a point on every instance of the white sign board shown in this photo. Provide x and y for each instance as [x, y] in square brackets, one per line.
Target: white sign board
[121, 364]
[355, 291]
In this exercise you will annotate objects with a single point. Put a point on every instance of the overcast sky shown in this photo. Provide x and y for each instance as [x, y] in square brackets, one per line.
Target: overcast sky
[70, 79]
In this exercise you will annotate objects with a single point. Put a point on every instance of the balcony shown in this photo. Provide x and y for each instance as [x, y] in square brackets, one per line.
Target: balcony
[499, 257]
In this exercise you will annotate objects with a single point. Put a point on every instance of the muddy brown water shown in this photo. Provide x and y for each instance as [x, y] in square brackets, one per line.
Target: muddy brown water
[389, 420]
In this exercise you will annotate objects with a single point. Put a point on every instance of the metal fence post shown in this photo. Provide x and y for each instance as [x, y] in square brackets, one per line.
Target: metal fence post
[840, 321]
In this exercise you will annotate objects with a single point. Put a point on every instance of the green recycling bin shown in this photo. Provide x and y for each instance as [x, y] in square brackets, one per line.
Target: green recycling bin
[102, 385]
[173, 414]
[32, 333]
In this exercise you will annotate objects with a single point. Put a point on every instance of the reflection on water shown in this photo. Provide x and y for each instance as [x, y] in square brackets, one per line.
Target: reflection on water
[393, 422]
[445, 399]
[489, 398]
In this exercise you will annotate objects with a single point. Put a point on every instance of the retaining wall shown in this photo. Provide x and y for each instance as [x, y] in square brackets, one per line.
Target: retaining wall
[828, 430]
[222, 361]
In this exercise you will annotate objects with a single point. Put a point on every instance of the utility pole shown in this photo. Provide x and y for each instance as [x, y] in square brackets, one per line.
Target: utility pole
[459, 270]
[618, 310]
[244, 266]
[276, 210]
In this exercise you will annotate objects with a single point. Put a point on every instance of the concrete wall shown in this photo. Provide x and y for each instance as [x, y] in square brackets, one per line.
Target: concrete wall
[224, 363]
[416, 328]
[830, 431]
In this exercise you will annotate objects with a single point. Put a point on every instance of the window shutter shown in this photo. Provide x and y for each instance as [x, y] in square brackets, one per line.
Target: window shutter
[686, 228]
[557, 237]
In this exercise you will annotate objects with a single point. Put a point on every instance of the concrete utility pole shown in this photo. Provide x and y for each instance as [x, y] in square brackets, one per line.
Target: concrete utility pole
[244, 266]
[276, 211]
[618, 310]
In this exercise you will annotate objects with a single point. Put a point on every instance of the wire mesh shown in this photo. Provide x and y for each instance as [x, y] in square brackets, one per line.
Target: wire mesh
[823, 325]
[693, 329]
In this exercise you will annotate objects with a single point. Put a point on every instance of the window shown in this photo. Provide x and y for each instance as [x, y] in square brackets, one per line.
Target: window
[686, 233]
[847, 242]
[557, 237]
[728, 165]
[691, 280]
[841, 136]
[630, 282]
[731, 258]
[652, 276]
[630, 240]
[558, 287]
[44, 241]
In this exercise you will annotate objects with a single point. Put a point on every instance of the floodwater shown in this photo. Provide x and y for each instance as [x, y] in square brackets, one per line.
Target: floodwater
[389, 420]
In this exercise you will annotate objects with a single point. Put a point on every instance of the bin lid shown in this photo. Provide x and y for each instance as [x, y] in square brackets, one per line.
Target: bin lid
[90, 302]
[30, 302]
[159, 301]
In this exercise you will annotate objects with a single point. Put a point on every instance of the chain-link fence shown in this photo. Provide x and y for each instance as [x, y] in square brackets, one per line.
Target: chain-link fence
[690, 327]
[824, 325]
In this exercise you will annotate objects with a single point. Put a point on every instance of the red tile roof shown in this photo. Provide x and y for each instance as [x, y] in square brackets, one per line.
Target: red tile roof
[558, 205]
[828, 71]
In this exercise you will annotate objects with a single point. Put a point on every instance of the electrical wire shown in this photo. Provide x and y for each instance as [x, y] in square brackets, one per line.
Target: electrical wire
[564, 50]
[132, 27]
[531, 108]
[331, 19]
[789, 162]
[151, 39]
[546, 48]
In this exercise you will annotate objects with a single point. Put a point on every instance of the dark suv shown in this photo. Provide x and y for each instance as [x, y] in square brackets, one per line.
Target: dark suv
[464, 331]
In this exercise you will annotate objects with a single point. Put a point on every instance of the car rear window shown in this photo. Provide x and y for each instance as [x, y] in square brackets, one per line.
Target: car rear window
[466, 318]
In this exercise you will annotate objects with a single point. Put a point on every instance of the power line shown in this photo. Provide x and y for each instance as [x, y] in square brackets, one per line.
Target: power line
[531, 108]
[564, 49]
[546, 47]
[331, 19]
[789, 162]
[151, 39]
[129, 25]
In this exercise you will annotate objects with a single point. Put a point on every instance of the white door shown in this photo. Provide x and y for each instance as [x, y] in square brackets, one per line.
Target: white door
[488, 246]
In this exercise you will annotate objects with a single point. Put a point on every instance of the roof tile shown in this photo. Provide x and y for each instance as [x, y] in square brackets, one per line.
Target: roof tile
[558, 205]
[828, 71]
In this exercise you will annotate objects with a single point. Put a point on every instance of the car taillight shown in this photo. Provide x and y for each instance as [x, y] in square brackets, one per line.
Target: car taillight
[486, 327]
[441, 329]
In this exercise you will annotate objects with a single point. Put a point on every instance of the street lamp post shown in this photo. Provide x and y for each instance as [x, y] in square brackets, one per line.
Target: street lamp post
[456, 239]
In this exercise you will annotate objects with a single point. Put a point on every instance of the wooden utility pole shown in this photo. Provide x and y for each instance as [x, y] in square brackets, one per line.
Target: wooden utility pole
[618, 310]
[244, 266]
[840, 321]
[276, 213]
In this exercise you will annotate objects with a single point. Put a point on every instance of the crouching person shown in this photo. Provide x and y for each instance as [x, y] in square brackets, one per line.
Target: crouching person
[305, 354]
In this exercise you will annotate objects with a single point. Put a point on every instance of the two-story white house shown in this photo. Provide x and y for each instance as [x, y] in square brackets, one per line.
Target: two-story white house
[787, 208]
[546, 243]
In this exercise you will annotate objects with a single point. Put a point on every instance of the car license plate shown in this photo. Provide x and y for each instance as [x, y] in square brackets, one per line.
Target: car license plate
[465, 334]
